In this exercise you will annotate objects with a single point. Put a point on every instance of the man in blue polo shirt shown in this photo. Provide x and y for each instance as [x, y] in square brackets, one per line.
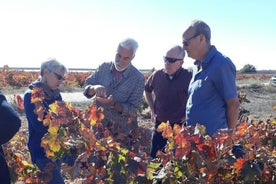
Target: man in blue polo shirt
[213, 100]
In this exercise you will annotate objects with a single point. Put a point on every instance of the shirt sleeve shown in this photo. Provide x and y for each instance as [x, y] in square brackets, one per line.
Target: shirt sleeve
[9, 121]
[226, 80]
[149, 84]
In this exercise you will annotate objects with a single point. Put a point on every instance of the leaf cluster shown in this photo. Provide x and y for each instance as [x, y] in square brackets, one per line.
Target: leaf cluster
[190, 156]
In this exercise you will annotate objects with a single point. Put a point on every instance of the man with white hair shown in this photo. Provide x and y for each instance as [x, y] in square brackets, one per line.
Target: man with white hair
[118, 87]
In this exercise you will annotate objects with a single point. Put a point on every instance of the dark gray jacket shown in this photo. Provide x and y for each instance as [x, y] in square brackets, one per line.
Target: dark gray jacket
[9, 125]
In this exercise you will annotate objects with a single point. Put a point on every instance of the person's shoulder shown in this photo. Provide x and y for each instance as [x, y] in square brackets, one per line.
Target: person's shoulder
[2, 97]
[136, 71]
[106, 64]
[223, 60]
[27, 94]
[103, 68]
[220, 55]
[158, 72]
[185, 71]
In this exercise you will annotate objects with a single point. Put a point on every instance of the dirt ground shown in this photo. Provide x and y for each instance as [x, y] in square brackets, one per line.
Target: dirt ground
[262, 99]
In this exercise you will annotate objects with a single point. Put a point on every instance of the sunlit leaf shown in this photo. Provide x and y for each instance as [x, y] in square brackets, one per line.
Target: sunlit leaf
[18, 101]
[47, 120]
[39, 110]
[121, 158]
[53, 128]
[238, 165]
[166, 130]
[200, 129]
[241, 129]
[99, 146]
[54, 106]
[54, 145]
[95, 115]
[210, 151]
[273, 153]
[50, 153]
[37, 95]
[183, 146]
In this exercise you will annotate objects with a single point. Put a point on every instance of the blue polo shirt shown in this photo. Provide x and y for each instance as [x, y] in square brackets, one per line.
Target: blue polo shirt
[212, 84]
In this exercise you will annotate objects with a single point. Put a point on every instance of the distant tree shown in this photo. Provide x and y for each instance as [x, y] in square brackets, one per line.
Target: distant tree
[248, 69]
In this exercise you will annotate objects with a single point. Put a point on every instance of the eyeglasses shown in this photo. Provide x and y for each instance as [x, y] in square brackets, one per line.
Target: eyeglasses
[170, 60]
[59, 77]
[186, 42]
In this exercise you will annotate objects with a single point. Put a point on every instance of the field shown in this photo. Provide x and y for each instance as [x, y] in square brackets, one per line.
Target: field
[258, 100]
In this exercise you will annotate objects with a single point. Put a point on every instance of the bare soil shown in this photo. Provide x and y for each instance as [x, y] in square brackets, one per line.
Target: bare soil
[262, 99]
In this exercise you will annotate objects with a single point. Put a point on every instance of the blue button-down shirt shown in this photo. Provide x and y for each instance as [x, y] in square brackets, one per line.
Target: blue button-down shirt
[212, 84]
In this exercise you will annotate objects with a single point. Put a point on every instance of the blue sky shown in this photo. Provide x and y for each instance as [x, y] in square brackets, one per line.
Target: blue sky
[85, 33]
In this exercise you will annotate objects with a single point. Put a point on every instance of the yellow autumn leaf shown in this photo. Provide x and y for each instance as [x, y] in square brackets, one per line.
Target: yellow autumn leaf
[46, 120]
[55, 145]
[273, 153]
[54, 107]
[37, 95]
[92, 122]
[53, 129]
[99, 146]
[50, 154]
[44, 142]
[163, 125]
[27, 164]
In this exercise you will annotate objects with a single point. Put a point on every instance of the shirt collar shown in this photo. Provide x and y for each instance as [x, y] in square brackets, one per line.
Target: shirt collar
[125, 73]
[173, 75]
[208, 58]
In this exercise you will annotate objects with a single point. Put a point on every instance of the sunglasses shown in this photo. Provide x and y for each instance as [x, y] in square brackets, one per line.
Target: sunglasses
[59, 77]
[170, 60]
[186, 42]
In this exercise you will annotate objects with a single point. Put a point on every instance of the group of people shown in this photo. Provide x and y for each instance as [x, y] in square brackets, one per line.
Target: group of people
[206, 95]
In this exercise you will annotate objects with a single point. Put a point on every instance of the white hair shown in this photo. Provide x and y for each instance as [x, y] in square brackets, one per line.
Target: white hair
[129, 44]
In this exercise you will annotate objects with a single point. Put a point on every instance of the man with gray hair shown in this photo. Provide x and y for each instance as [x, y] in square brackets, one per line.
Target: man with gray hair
[118, 87]
[166, 92]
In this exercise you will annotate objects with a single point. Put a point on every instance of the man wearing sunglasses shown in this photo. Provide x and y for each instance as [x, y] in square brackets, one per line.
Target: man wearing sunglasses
[166, 92]
[213, 100]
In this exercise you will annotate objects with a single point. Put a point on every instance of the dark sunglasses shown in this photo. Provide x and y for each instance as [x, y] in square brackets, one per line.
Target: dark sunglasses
[186, 42]
[59, 77]
[170, 60]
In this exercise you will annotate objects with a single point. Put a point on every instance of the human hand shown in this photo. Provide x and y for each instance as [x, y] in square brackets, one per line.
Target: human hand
[108, 101]
[100, 91]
